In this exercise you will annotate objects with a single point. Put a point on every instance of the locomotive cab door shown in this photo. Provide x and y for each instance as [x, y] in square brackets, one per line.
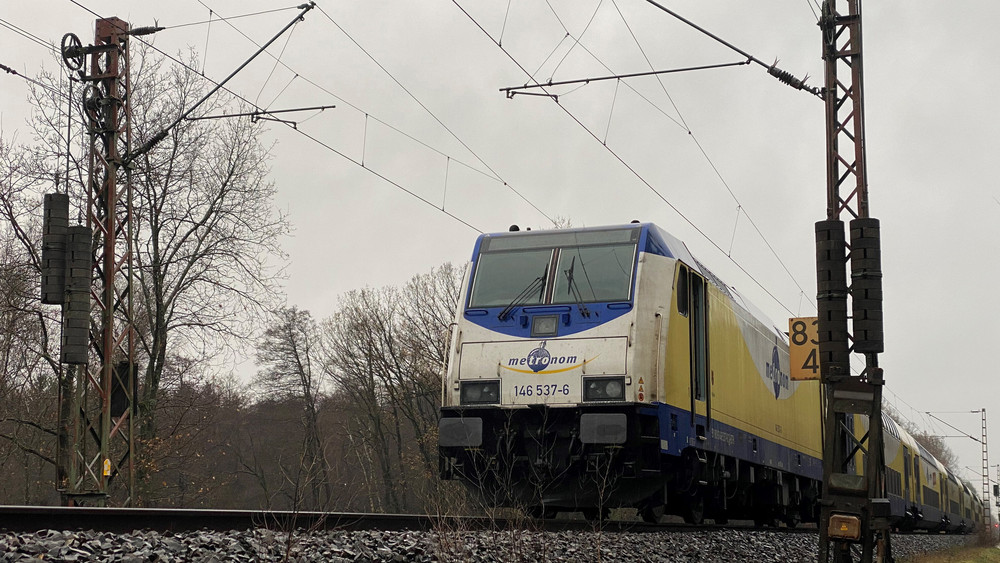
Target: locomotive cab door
[692, 302]
[906, 474]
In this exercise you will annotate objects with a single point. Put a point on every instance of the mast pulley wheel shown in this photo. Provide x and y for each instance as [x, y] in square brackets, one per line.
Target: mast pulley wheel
[72, 51]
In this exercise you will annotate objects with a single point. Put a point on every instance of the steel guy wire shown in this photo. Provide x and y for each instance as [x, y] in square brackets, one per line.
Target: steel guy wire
[577, 39]
[210, 19]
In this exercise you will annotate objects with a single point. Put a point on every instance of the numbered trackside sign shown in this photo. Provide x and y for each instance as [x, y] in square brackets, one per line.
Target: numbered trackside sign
[803, 348]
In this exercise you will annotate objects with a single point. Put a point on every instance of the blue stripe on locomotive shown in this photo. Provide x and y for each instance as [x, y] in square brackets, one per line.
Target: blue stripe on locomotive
[740, 446]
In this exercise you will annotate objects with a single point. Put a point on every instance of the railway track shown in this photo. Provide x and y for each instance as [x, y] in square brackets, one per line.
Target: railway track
[33, 518]
[170, 535]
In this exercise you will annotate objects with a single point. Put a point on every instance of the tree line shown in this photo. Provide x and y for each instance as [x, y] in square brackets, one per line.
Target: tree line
[341, 412]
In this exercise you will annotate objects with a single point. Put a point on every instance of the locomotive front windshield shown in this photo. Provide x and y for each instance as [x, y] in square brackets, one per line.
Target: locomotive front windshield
[555, 268]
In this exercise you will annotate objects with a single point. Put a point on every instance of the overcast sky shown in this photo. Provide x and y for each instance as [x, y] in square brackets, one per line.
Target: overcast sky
[712, 156]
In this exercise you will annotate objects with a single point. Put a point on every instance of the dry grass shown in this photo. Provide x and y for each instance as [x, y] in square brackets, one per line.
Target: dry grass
[959, 555]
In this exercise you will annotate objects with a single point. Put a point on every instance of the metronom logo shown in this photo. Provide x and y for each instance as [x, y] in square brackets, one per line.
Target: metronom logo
[539, 359]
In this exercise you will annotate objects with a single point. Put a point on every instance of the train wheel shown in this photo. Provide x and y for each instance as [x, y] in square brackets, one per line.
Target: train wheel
[694, 512]
[767, 520]
[792, 519]
[541, 512]
[594, 514]
[652, 514]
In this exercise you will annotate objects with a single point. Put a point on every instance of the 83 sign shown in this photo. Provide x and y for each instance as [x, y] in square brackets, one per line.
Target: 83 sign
[803, 348]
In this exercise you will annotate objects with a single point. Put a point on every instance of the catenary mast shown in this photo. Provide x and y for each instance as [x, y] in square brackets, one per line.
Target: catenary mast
[854, 507]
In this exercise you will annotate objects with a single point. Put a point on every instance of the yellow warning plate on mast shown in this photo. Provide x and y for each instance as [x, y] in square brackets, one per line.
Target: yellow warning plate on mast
[803, 348]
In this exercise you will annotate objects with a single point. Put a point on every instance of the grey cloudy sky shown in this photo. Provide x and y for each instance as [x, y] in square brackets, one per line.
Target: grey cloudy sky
[732, 149]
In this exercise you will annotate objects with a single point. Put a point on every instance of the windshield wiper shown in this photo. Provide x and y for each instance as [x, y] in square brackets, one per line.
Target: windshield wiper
[536, 284]
[572, 288]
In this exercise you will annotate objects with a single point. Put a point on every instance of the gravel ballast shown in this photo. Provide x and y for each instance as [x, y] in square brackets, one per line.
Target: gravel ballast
[501, 546]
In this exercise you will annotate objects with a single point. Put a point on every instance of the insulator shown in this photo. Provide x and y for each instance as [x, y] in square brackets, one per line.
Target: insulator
[145, 30]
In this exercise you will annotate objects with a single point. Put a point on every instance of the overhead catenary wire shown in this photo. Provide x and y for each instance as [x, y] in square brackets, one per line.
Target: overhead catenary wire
[628, 166]
[41, 85]
[28, 35]
[437, 119]
[772, 69]
[493, 175]
[715, 169]
[739, 206]
[220, 86]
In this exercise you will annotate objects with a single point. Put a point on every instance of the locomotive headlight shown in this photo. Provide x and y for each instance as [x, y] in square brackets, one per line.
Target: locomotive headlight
[604, 389]
[480, 392]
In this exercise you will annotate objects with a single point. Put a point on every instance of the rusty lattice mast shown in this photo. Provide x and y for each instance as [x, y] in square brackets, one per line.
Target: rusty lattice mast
[854, 509]
[101, 441]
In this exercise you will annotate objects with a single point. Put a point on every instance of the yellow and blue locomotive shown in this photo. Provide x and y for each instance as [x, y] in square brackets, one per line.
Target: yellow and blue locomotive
[607, 367]
[603, 367]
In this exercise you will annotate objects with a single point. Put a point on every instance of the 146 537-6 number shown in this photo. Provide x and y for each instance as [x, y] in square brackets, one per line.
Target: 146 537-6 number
[541, 390]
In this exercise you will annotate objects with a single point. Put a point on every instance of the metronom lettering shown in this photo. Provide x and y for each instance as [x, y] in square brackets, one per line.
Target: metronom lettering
[534, 360]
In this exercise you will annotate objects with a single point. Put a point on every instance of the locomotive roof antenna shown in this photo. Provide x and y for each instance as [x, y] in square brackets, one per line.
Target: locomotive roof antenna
[854, 508]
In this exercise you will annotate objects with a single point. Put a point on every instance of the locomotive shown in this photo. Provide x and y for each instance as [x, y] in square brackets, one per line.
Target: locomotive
[606, 367]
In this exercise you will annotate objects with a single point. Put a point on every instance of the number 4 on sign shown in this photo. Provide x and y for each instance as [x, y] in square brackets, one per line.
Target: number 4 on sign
[803, 348]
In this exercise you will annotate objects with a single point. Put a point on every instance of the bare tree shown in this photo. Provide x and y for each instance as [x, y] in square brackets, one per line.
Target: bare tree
[385, 349]
[206, 228]
[428, 309]
[29, 369]
[352, 351]
[287, 353]
[206, 234]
